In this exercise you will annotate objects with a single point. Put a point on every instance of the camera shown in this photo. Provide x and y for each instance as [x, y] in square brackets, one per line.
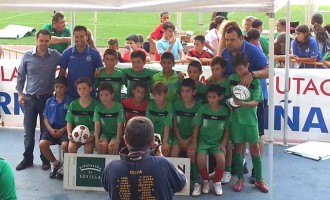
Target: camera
[158, 139]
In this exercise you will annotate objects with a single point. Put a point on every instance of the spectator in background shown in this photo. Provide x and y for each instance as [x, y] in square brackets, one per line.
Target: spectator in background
[212, 38]
[317, 18]
[326, 59]
[169, 42]
[158, 31]
[253, 36]
[257, 23]
[327, 27]
[90, 39]
[81, 60]
[133, 44]
[279, 50]
[223, 29]
[305, 48]
[198, 52]
[280, 27]
[61, 35]
[247, 24]
[7, 181]
[113, 44]
[322, 38]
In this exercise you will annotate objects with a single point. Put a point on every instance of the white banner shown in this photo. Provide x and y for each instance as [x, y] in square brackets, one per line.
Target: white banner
[308, 108]
[83, 171]
[309, 113]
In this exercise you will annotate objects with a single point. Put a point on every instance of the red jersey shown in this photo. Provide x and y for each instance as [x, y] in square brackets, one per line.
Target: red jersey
[193, 53]
[127, 55]
[132, 110]
[157, 34]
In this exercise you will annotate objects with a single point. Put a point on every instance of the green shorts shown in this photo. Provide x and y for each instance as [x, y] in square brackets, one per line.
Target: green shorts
[170, 139]
[175, 140]
[205, 148]
[109, 137]
[240, 133]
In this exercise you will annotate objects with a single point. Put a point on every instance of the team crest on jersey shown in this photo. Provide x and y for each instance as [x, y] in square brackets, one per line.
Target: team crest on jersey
[178, 118]
[65, 106]
[221, 126]
[89, 58]
[75, 119]
[205, 122]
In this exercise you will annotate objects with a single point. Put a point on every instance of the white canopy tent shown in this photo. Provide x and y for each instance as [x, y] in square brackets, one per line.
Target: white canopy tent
[265, 6]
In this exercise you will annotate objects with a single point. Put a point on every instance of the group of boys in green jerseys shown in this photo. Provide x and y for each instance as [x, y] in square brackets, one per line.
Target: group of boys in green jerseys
[184, 123]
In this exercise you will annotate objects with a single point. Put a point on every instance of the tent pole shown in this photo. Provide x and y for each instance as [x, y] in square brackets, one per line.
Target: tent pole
[73, 21]
[286, 83]
[271, 17]
[178, 25]
[95, 24]
[200, 22]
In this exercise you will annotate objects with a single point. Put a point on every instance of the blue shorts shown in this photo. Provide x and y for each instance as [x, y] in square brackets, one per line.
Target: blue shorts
[47, 136]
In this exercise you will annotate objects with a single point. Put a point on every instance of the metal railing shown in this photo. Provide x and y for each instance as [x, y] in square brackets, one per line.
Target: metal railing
[12, 53]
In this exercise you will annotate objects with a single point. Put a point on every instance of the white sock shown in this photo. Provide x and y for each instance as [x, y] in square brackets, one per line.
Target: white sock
[56, 162]
[244, 161]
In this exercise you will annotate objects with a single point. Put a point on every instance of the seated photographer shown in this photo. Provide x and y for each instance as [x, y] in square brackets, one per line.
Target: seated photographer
[142, 171]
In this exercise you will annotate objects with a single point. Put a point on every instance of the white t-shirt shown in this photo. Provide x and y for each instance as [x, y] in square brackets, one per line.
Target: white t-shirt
[213, 38]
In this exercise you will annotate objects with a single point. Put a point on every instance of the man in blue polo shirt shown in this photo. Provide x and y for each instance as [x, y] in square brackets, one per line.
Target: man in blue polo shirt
[258, 66]
[61, 35]
[80, 60]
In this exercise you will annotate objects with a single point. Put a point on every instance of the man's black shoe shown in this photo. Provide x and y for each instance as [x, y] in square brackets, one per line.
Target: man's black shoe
[23, 165]
[45, 166]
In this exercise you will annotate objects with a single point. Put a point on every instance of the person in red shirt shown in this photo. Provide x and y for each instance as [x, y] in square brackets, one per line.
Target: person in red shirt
[136, 105]
[133, 43]
[198, 52]
[158, 31]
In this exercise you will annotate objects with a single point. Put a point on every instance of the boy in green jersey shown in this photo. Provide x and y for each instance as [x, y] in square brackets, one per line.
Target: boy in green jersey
[138, 73]
[160, 112]
[194, 72]
[244, 123]
[109, 121]
[210, 135]
[168, 76]
[81, 112]
[111, 75]
[218, 65]
[184, 111]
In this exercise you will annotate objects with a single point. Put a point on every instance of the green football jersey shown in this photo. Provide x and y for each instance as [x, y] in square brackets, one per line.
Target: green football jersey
[212, 124]
[201, 93]
[78, 115]
[172, 83]
[245, 115]
[116, 80]
[184, 117]
[131, 77]
[109, 118]
[160, 117]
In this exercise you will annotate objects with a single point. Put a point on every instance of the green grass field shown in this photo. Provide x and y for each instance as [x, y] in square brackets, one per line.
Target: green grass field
[121, 24]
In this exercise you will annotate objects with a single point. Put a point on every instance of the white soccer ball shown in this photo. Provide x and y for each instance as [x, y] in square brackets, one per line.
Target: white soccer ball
[80, 134]
[241, 92]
